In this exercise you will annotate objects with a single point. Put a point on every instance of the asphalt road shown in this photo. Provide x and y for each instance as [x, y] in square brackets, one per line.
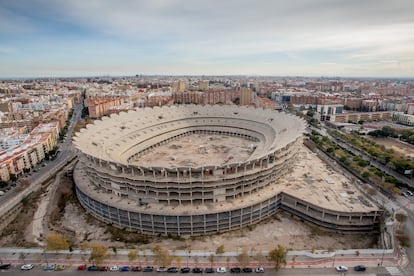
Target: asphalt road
[46, 167]
[407, 204]
[38, 271]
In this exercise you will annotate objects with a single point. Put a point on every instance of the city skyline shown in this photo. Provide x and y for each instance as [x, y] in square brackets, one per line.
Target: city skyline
[310, 38]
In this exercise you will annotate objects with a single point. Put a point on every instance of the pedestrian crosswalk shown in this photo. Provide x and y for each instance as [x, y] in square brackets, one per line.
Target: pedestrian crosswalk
[394, 271]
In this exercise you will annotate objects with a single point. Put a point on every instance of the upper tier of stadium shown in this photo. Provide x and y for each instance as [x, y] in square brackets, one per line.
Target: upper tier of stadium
[122, 137]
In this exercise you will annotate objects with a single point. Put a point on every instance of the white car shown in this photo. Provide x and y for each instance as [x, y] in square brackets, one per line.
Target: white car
[221, 270]
[259, 270]
[27, 266]
[114, 268]
[341, 268]
[408, 193]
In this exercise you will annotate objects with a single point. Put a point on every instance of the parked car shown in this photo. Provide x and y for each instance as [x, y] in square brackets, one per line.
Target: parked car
[136, 268]
[59, 267]
[103, 268]
[27, 267]
[235, 270]
[221, 270]
[197, 270]
[360, 268]
[259, 270]
[82, 267]
[114, 268]
[209, 270]
[148, 269]
[5, 266]
[162, 269]
[185, 270]
[408, 193]
[247, 270]
[49, 267]
[172, 270]
[341, 268]
[92, 268]
[124, 268]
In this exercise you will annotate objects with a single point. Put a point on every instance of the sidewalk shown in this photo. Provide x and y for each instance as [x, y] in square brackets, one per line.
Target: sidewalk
[197, 259]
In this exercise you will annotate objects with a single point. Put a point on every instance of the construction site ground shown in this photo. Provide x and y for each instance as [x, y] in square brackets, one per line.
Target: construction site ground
[66, 216]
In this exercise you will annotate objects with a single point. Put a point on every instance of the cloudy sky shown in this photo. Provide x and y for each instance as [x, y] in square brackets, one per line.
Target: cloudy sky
[210, 37]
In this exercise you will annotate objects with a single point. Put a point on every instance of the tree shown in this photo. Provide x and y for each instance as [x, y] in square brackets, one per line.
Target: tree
[162, 256]
[188, 251]
[22, 257]
[179, 259]
[259, 257]
[56, 242]
[82, 248]
[278, 256]
[132, 255]
[211, 260]
[310, 113]
[400, 217]
[99, 253]
[115, 252]
[13, 177]
[220, 249]
[244, 258]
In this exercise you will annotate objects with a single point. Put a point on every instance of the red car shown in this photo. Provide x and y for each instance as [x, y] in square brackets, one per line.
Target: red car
[103, 268]
[82, 267]
[136, 268]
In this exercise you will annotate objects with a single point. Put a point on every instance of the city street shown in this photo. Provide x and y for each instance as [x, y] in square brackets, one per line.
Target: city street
[293, 272]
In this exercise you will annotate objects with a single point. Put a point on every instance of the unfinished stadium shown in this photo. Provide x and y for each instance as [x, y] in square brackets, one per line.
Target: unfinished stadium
[193, 170]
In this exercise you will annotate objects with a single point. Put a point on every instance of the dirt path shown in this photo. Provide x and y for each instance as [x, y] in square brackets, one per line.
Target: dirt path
[35, 230]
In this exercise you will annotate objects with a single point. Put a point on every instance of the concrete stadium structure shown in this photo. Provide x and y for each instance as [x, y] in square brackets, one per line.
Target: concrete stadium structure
[114, 184]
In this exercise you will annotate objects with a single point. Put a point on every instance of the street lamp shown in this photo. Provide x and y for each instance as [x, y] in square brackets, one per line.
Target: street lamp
[385, 246]
[382, 258]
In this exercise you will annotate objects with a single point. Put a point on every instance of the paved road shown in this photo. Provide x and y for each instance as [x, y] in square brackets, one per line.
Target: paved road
[407, 204]
[38, 271]
[12, 197]
[404, 203]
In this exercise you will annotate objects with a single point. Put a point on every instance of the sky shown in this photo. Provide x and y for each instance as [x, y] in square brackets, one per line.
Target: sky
[345, 38]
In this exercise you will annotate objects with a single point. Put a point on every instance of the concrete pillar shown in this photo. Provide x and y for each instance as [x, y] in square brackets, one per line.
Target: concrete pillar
[140, 222]
[178, 224]
[165, 225]
[152, 224]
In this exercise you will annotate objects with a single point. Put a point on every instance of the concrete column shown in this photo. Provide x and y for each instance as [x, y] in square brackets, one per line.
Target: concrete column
[178, 225]
[140, 222]
[119, 216]
[152, 224]
[129, 220]
[217, 222]
[165, 225]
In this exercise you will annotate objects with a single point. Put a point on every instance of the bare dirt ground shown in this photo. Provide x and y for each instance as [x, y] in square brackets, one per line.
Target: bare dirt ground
[199, 150]
[399, 147]
[68, 217]
[80, 227]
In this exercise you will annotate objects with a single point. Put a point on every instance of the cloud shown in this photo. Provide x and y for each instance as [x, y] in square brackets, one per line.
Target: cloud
[288, 34]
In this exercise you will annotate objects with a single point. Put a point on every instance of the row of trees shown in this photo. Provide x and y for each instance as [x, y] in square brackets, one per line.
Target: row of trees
[406, 135]
[357, 164]
[162, 257]
[380, 153]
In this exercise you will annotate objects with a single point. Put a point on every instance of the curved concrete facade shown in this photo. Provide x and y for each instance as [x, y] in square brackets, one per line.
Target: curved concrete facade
[113, 187]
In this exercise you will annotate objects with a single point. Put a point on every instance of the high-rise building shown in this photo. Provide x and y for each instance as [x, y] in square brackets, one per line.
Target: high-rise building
[203, 84]
[246, 96]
